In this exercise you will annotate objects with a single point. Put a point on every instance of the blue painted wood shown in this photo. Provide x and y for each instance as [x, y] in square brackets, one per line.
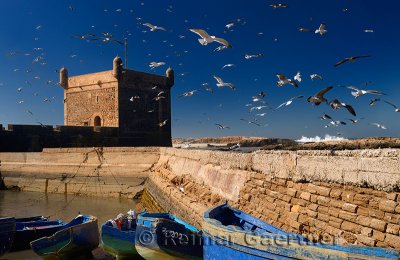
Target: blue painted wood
[7, 230]
[164, 236]
[78, 238]
[33, 228]
[237, 222]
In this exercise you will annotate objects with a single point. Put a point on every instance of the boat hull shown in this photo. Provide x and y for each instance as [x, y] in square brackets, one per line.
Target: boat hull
[160, 236]
[7, 231]
[233, 234]
[27, 232]
[73, 242]
[120, 244]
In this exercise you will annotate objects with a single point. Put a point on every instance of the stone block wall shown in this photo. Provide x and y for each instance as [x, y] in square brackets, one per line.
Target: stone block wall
[350, 196]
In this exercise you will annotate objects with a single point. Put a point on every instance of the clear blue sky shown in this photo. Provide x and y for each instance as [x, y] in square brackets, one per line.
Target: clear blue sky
[50, 25]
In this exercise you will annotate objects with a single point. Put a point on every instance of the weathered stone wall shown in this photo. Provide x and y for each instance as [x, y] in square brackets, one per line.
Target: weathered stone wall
[351, 196]
[116, 172]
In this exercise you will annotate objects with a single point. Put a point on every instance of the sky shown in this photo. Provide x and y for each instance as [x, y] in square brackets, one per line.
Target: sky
[37, 39]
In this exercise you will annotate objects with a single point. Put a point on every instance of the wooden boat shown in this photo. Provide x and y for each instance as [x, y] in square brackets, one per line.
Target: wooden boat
[164, 236]
[7, 230]
[230, 233]
[78, 238]
[33, 228]
[119, 243]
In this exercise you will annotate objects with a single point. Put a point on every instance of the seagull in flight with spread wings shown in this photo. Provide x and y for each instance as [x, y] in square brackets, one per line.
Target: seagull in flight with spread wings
[222, 126]
[154, 64]
[321, 29]
[336, 104]
[206, 38]
[106, 39]
[396, 108]
[319, 97]
[360, 92]
[221, 83]
[283, 80]
[351, 59]
[188, 94]
[290, 101]
[154, 27]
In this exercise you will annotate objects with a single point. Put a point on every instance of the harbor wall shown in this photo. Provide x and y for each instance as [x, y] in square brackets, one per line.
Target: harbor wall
[103, 172]
[351, 197]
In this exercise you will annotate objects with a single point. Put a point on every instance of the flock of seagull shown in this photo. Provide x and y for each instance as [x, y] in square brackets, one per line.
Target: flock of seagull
[258, 102]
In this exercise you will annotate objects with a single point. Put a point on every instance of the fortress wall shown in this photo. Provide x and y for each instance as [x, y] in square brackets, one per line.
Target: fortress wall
[118, 172]
[350, 196]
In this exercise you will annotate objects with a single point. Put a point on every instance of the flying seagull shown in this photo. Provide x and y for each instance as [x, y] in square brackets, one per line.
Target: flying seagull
[258, 99]
[321, 29]
[222, 126]
[336, 104]
[297, 77]
[106, 39]
[257, 108]
[360, 92]
[396, 109]
[206, 38]
[163, 123]
[228, 65]
[221, 83]
[351, 59]
[262, 94]
[154, 64]
[251, 56]
[355, 121]
[283, 80]
[83, 37]
[379, 126]
[302, 29]
[337, 123]
[188, 94]
[275, 6]
[319, 97]
[325, 117]
[373, 101]
[154, 27]
[290, 101]
[316, 76]
[250, 122]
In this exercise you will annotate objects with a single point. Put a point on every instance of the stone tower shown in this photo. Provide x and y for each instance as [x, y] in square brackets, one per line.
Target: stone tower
[125, 99]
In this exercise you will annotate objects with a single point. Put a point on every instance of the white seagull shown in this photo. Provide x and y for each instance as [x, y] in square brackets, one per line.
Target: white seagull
[251, 56]
[163, 123]
[297, 77]
[206, 38]
[154, 27]
[222, 126]
[316, 76]
[396, 109]
[379, 126]
[321, 29]
[221, 83]
[283, 80]
[188, 94]
[360, 92]
[228, 65]
[154, 64]
[290, 101]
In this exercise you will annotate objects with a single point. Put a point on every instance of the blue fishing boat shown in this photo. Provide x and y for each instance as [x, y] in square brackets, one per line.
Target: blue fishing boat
[33, 228]
[7, 230]
[77, 238]
[230, 233]
[120, 243]
[164, 236]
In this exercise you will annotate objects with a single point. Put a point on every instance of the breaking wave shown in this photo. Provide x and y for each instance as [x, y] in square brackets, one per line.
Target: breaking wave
[317, 139]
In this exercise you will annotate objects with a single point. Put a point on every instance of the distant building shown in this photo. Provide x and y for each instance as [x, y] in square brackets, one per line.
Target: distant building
[118, 107]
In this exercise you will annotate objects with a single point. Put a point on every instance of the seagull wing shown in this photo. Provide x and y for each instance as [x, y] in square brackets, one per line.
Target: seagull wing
[350, 109]
[387, 102]
[161, 28]
[281, 77]
[203, 34]
[218, 79]
[362, 56]
[323, 92]
[294, 83]
[375, 92]
[341, 62]
[149, 25]
[223, 42]
[117, 41]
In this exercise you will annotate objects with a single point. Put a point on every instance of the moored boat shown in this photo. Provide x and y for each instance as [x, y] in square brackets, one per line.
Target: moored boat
[230, 233]
[78, 238]
[33, 228]
[7, 230]
[119, 241]
[164, 236]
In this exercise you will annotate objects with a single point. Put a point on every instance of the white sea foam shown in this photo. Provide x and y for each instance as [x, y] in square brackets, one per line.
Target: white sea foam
[317, 139]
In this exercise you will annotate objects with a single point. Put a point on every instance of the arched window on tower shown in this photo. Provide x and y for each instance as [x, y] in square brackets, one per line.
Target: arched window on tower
[97, 121]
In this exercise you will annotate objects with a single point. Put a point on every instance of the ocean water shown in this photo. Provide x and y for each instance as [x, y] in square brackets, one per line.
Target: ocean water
[58, 206]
